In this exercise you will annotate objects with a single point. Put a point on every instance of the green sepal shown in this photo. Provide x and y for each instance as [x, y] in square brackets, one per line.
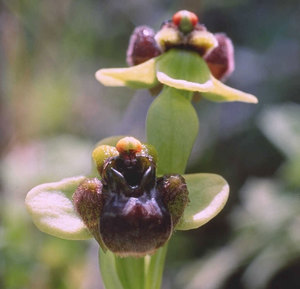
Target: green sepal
[51, 208]
[208, 194]
[183, 66]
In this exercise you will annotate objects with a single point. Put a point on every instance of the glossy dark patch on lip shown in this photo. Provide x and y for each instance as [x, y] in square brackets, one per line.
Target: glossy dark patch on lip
[134, 225]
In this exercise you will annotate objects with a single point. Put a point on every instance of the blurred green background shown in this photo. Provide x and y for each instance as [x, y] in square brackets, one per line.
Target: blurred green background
[52, 112]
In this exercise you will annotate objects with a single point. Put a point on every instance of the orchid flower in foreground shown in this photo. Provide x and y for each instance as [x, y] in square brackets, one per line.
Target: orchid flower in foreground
[129, 210]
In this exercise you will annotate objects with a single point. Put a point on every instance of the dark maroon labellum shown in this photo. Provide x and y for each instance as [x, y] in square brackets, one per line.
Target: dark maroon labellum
[134, 219]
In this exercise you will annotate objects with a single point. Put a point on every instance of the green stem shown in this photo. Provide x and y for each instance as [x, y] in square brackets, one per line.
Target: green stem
[131, 272]
[108, 270]
[155, 268]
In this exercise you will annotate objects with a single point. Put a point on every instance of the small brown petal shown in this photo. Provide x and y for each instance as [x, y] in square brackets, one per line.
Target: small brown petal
[174, 193]
[142, 46]
[88, 202]
[221, 59]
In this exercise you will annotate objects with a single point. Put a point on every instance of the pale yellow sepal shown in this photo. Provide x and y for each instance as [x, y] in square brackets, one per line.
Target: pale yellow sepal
[227, 93]
[51, 208]
[212, 89]
[143, 74]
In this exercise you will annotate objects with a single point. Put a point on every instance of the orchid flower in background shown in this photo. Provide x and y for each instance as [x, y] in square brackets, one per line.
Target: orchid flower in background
[182, 55]
[182, 60]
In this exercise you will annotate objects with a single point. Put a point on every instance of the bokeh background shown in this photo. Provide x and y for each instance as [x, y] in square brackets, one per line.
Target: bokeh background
[52, 112]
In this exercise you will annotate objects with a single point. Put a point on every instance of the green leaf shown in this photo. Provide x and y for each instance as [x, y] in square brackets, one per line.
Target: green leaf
[51, 208]
[208, 194]
[172, 127]
[138, 76]
[108, 270]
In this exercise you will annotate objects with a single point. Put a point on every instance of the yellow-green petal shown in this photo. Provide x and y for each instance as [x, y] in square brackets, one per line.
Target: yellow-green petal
[208, 194]
[138, 76]
[51, 208]
[220, 92]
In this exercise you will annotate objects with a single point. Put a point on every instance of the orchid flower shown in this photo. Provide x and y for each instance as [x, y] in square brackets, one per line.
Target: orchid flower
[72, 208]
[181, 55]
